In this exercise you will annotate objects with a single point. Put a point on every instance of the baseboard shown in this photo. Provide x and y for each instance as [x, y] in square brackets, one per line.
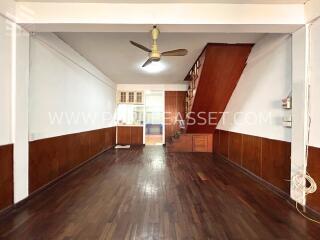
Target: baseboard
[270, 187]
[5, 212]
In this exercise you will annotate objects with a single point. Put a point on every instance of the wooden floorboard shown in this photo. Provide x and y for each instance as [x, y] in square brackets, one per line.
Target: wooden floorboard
[146, 193]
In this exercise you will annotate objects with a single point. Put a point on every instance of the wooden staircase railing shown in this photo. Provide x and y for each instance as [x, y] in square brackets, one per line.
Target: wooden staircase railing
[194, 78]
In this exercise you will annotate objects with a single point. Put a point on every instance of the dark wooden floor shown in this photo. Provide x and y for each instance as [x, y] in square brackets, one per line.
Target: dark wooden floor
[144, 193]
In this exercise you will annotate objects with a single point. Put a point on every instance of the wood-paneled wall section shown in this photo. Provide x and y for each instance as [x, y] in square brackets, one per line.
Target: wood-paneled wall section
[175, 105]
[130, 135]
[313, 200]
[266, 158]
[6, 176]
[50, 158]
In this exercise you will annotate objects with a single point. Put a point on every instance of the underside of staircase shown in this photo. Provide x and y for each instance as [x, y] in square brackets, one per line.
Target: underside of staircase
[212, 80]
[218, 75]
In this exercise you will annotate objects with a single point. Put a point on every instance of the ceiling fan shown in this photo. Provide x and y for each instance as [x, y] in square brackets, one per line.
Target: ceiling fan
[154, 54]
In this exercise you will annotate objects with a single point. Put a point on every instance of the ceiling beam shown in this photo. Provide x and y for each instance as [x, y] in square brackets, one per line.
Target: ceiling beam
[7, 9]
[204, 17]
[170, 28]
[312, 10]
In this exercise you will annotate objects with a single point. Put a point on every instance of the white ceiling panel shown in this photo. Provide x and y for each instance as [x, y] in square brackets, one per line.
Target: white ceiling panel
[118, 59]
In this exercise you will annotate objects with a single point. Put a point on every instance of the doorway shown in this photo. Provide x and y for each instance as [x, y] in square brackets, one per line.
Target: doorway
[154, 115]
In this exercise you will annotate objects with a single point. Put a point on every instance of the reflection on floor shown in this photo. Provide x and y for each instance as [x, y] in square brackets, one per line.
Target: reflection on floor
[153, 139]
[146, 193]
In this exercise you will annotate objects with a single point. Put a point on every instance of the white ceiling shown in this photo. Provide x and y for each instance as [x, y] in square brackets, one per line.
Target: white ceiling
[118, 59]
[179, 1]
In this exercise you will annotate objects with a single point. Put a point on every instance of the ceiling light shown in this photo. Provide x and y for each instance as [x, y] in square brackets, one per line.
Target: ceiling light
[154, 67]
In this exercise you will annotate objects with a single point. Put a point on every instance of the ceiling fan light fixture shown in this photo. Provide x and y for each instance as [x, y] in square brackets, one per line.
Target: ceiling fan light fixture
[154, 67]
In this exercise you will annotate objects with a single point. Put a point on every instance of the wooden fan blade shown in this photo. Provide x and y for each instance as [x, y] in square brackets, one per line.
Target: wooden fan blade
[140, 46]
[177, 52]
[147, 62]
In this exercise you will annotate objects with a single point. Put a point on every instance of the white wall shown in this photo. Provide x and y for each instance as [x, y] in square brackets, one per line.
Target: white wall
[265, 81]
[6, 51]
[315, 84]
[64, 84]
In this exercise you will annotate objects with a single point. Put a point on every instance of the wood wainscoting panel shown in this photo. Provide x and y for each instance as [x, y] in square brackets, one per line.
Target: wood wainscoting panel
[96, 142]
[45, 156]
[313, 200]
[276, 163]
[266, 158]
[251, 154]
[78, 151]
[224, 143]
[6, 176]
[51, 158]
[111, 136]
[235, 147]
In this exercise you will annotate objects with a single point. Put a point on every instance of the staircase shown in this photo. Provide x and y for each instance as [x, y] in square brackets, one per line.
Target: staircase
[212, 80]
